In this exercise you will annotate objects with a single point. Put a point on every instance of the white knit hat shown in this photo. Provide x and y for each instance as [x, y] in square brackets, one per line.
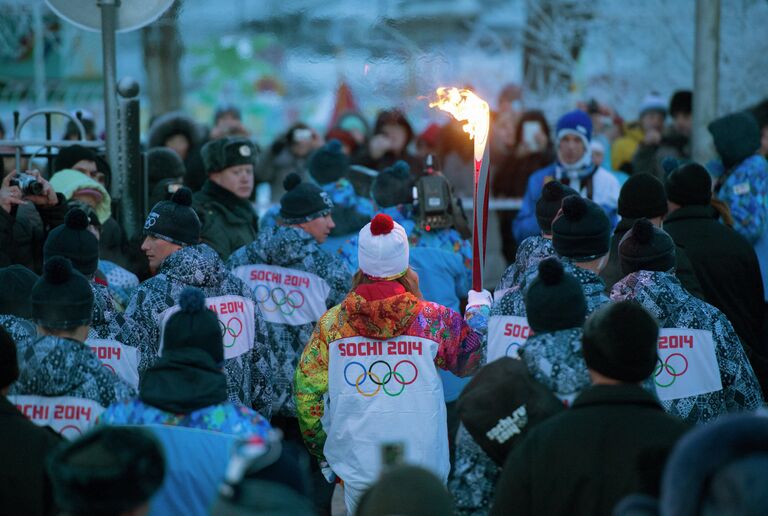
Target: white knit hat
[382, 249]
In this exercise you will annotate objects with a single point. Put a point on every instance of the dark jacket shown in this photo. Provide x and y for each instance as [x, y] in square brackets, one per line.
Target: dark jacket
[23, 232]
[24, 485]
[229, 222]
[611, 443]
[648, 158]
[727, 268]
[683, 268]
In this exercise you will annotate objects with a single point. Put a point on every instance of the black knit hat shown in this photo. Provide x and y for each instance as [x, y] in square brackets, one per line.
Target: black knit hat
[9, 364]
[581, 231]
[194, 326]
[73, 240]
[549, 203]
[619, 341]
[554, 300]
[641, 196]
[681, 102]
[501, 404]
[69, 156]
[689, 184]
[16, 292]
[303, 202]
[228, 152]
[736, 137]
[646, 247]
[174, 220]
[329, 163]
[109, 470]
[62, 298]
[163, 163]
[393, 186]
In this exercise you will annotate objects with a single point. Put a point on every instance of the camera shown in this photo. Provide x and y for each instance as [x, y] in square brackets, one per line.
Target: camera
[27, 183]
[435, 205]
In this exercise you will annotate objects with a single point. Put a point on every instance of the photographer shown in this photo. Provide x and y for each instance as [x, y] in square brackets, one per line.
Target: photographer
[30, 210]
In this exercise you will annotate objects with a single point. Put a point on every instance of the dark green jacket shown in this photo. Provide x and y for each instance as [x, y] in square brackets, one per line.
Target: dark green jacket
[228, 221]
[611, 443]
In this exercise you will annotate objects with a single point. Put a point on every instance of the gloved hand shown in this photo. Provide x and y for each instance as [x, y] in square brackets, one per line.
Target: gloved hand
[479, 298]
[327, 472]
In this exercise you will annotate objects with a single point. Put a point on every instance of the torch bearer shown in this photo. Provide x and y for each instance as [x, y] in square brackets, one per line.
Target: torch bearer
[467, 107]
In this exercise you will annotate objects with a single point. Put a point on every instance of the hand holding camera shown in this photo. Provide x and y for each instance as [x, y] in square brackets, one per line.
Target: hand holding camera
[20, 187]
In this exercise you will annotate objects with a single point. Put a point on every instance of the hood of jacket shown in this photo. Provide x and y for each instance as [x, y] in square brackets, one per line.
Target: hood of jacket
[55, 366]
[659, 292]
[196, 265]
[282, 245]
[555, 359]
[381, 310]
[182, 381]
[593, 285]
[736, 137]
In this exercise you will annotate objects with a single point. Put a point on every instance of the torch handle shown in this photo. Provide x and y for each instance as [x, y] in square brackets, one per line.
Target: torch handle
[480, 220]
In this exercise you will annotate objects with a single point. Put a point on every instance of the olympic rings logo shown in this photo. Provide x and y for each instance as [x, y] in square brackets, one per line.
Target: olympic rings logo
[286, 302]
[233, 328]
[513, 350]
[670, 370]
[379, 380]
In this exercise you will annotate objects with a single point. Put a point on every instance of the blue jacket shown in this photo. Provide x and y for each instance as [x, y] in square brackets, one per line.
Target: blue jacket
[605, 193]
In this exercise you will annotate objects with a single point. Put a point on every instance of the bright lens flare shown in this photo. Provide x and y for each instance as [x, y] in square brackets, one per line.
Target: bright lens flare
[467, 107]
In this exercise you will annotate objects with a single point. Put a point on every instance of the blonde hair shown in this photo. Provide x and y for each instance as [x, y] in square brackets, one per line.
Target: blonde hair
[406, 280]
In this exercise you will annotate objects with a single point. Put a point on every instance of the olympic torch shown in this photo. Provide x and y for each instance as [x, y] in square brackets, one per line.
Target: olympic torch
[467, 107]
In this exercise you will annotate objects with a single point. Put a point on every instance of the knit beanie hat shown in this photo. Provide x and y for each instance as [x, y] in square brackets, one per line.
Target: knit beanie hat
[581, 231]
[393, 186]
[329, 163]
[163, 163]
[554, 300]
[681, 102]
[646, 247]
[62, 298]
[9, 364]
[642, 195]
[228, 152]
[653, 102]
[736, 137]
[303, 202]
[501, 404]
[382, 249]
[109, 470]
[15, 295]
[689, 184]
[174, 220]
[194, 326]
[70, 155]
[406, 491]
[619, 341]
[550, 202]
[73, 240]
[575, 122]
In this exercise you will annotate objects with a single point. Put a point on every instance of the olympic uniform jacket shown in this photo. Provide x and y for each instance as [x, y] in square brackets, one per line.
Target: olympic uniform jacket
[63, 384]
[703, 371]
[368, 377]
[294, 283]
[18, 328]
[473, 477]
[531, 251]
[247, 361]
[508, 328]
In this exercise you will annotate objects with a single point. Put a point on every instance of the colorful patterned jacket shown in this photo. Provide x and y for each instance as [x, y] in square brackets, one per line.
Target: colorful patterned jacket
[296, 250]
[663, 296]
[249, 376]
[368, 376]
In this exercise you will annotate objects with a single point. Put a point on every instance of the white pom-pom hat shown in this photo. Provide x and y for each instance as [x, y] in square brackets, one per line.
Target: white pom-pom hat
[382, 249]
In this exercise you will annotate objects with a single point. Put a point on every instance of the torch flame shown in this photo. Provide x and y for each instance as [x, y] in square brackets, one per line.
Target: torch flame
[467, 107]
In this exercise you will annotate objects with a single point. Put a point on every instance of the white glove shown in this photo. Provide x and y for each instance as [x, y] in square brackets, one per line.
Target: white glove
[481, 298]
[327, 472]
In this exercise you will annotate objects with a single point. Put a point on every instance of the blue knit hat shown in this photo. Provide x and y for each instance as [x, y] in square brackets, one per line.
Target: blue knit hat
[576, 122]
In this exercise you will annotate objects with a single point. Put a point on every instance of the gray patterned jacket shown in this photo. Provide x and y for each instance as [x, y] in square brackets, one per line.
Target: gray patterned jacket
[291, 248]
[249, 377]
[663, 296]
[532, 250]
[18, 328]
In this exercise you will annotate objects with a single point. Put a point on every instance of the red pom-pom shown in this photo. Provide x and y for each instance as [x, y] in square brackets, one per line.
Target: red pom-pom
[382, 224]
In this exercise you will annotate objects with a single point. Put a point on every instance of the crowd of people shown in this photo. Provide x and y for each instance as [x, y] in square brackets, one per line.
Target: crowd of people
[235, 362]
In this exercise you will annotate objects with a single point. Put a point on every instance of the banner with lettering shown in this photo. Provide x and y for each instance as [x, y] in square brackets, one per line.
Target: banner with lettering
[236, 322]
[506, 335]
[687, 364]
[118, 358]
[67, 415]
[286, 296]
[384, 391]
